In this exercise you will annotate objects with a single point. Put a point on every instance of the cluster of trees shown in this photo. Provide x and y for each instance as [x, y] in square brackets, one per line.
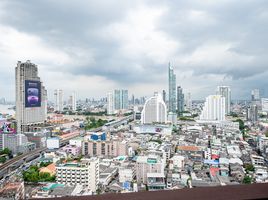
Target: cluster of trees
[186, 119]
[5, 153]
[91, 122]
[33, 175]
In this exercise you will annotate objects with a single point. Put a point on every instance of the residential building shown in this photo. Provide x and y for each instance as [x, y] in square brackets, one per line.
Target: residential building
[148, 164]
[110, 103]
[58, 104]
[225, 91]
[264, 104]
[188, 102]
[154, 110]
[214, 108]
[31, 97]
[85, 173]
[126, 174]
[180, 100]
[164, 95]
[73, 101]
[121, 99]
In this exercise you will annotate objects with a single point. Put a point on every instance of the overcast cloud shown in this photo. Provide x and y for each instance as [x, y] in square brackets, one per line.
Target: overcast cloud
[93, 47]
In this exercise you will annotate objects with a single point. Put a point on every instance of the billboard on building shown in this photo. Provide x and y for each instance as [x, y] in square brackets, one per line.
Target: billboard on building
[32, 93]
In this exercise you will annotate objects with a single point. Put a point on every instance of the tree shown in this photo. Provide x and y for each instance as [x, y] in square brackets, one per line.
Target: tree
[247, 180]
[241, 124]
[2, 159]
[250, 167]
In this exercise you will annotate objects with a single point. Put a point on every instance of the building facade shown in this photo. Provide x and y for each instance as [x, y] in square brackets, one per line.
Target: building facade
[31, 97]
[85, 173]
[225, 91]
[154, 110]
[180, 100]
[214, 108]
[121, 99]
[58, 104]
[110, 103]
[172, 89]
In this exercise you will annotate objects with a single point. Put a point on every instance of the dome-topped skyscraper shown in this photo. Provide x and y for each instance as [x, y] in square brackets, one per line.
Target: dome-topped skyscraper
[154, 110]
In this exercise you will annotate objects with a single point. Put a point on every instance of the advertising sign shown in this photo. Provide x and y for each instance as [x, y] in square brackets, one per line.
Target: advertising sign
[32, 94]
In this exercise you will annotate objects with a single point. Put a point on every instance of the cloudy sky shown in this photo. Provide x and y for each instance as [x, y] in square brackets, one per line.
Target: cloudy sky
[93, 47]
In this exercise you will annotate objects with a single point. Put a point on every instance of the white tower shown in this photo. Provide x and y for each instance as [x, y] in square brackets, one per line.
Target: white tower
[58, 105]
[154, 110]
[214, 108]
[110, 103]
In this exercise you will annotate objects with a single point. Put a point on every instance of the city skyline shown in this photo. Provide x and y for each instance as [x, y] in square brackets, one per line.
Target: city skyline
[131, 45]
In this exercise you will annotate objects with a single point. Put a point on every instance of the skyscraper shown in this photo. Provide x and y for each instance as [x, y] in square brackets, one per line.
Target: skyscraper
[255, 95]
[164, 96]
[188, 102]
[172, 89]
[58, 104]
[154, 110]
[225, 91]
[120, 99]
[214, 108]
[110, 103]
[180, 100]
[31, 97]
[73, 101]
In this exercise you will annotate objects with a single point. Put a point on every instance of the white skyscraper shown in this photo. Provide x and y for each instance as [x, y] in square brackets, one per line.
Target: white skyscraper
[188, 102]
[214, 108]
[120, 99]
[73, 101]
[264, 104]
[225, 91]
[154, 110]
[58, 105]
[31, 97]
[110, 103]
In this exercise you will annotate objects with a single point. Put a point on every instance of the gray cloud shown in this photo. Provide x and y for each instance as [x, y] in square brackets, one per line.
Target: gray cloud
[131, 42]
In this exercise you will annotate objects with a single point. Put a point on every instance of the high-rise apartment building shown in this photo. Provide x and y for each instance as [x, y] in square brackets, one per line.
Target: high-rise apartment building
[255, 95]
[172, 89]
[225, 91]
[110, 103]
[180, 100]
[58, 104]
[120, 99]
[188, 102]
[73, 101]
[85, 173]
[31, 97]
[154, 110]
[214, 108]
[264, 104]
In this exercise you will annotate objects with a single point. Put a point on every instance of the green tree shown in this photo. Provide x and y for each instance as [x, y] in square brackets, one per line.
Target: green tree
[2, 159]
[249, 167]
[247, 180]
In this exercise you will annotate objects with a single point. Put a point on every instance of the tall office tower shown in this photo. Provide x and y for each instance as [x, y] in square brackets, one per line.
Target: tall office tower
[31, 97]
[264, 104]
[154, 110]
[58, 105]
[124, 100]
[225, 91]
[172, 89]
[120, 99]
[73, 101]
[214, 108]
[133, 100]
[164, 96]
[188, 102]
[255, 95]
[252, 113]
[117, 99]
[180, 100]
[110, 103]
